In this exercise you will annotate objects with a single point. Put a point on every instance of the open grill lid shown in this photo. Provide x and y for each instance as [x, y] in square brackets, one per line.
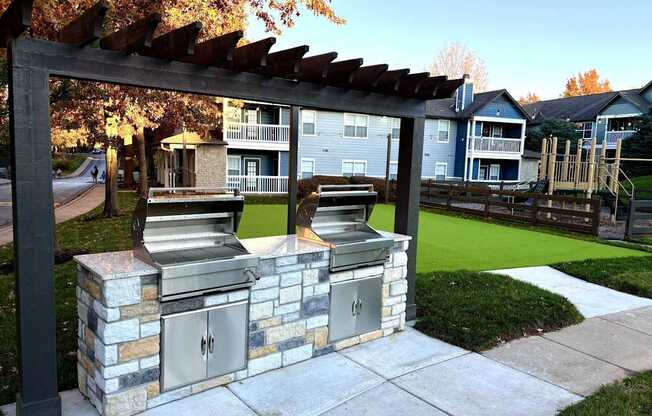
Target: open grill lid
[184, 225]
[338, 213]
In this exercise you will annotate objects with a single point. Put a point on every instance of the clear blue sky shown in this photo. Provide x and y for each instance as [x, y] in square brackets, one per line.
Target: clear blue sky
[527, 45]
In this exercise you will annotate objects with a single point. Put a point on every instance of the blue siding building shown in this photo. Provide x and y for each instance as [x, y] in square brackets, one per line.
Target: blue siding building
[477, 137]
[607, 116]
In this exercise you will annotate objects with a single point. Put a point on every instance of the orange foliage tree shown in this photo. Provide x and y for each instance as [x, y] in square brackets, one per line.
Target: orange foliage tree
[529, 98]
[586, 83]
[110, 113]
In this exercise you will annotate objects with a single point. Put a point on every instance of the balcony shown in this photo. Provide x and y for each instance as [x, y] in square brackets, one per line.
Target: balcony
[614, 136]
[257, 136]
[497, 146]
[258, 184]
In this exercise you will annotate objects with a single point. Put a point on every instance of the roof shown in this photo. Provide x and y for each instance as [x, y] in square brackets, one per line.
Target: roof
[531, 154]
[445, 108]
[190, 138]
[484, 98]
[646, 87]
[584, 107]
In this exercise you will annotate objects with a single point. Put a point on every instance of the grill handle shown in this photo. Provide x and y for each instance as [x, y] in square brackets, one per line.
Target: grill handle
[222, 189]
[328, 188]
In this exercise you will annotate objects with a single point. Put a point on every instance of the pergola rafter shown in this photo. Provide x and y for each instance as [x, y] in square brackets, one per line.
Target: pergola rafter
[174, 61]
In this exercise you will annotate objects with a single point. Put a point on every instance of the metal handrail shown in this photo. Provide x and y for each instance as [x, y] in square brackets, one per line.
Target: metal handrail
[326, 188]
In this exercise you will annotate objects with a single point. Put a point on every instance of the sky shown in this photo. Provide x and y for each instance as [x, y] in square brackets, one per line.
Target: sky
[528, 46]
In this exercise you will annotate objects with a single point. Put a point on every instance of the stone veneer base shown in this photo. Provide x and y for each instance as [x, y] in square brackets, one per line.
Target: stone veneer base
[119, 318]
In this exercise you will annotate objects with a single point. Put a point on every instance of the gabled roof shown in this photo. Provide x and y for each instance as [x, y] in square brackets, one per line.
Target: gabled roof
[580, 108]
[636, 99]
[484, 98]
[646, 87]
[443, 108]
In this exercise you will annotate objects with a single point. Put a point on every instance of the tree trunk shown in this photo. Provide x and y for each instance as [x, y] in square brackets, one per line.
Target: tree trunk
[111, 208]
[129, 166]
[142, 162]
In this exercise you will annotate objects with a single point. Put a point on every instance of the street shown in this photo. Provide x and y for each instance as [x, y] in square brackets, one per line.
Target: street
[64, 189]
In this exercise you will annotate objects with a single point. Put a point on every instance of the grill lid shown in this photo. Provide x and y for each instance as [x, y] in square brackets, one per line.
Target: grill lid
[187, 225]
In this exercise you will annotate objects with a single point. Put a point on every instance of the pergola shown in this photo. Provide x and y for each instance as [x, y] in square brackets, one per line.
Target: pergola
[173, 61]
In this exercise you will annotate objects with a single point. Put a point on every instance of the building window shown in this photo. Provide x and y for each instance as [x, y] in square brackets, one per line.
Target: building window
[307, 168]
[355, 125]
[497, 131]
[308, 122]
[440, 171]
[354, 168]
[443, 131]
[234, 165]
[393, 170]
[585, 130]
[494, 172]
[396, 128]
[623, 124]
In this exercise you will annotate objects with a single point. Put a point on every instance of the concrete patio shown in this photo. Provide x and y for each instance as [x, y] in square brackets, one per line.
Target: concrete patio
[411, 373]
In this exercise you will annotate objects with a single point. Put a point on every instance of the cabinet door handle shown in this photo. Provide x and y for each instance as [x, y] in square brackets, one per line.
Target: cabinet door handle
[354, 308]
[211, 343]
[203, 345]
[359, 306]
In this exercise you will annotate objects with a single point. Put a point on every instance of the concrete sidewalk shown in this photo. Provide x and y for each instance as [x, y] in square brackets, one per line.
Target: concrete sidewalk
[78, 206]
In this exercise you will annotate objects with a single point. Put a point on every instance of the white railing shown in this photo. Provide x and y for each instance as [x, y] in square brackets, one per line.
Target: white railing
[259, 184]
[614, 136]
[495, 144]
[271, 133]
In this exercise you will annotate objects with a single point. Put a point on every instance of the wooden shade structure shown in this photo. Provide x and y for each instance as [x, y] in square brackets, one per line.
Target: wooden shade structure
[136, 56]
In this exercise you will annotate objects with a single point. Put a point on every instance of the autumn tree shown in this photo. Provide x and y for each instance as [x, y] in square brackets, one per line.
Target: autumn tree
[529, 98]
[95, 107]
[455, 60]
[586, 83]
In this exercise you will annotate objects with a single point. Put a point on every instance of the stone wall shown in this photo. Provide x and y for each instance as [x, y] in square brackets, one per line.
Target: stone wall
[119, 325]
[210, 166]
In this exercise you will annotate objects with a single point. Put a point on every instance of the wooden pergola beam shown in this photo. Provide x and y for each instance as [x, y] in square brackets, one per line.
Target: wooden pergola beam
[16, 20]
[409, 85]
[313, 68]
[87, 28]
[388, 81]
[447, 88]
[341, 73]
[285, 63]
[217, 51]
[175, 44]
[366, 77]
[252, 56]
[133, 38]
[428, 88]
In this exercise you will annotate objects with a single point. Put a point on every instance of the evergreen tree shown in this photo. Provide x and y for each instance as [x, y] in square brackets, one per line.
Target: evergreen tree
[639, 146]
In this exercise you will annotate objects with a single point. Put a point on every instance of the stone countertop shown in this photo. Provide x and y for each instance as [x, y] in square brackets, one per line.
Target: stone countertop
[123, 264]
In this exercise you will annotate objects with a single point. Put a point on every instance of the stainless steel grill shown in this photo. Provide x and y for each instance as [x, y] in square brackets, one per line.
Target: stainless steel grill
[337, 216]
[188, 234]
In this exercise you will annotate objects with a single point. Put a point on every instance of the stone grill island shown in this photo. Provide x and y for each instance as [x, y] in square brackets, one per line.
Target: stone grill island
[296, 309]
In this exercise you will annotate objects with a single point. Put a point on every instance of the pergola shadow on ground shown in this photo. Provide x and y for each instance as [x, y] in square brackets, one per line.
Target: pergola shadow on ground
[173, 61]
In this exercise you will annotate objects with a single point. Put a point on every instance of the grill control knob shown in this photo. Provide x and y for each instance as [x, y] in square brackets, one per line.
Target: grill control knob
[252, 274]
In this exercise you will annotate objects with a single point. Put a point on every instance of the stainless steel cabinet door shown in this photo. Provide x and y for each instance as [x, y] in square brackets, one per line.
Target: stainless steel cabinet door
[342, 310]
[355, 308]
[184, 350]
[227, 339]
[370, 292]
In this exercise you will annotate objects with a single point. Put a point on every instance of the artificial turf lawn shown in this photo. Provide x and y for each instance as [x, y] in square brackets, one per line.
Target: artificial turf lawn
[630, 397]
[477, 311]
[446, 243]
[452, 243]
[629, 274]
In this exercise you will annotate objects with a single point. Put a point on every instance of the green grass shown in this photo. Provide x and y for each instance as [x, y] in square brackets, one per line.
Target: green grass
[452, 243]
[630, 397]
[445, 243]
[68, 166]
[630, 274]
[477, 311]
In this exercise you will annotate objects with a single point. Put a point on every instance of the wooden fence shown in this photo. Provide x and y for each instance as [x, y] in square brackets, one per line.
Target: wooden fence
[568, 213]
[639, 221]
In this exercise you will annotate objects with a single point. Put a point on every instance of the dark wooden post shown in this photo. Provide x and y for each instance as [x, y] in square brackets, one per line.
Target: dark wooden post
[293, 165]
[33, 212]
[406, 217]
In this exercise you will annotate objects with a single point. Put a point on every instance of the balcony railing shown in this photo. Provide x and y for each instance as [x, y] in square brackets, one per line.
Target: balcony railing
[614, 136]
[268, 133]
[495, 145]
[259, 184]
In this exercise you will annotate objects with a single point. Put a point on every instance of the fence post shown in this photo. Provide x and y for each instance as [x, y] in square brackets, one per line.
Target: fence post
[486, 205]
[596, 216]
[535, 210]
[631, 219]
[429, 190]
